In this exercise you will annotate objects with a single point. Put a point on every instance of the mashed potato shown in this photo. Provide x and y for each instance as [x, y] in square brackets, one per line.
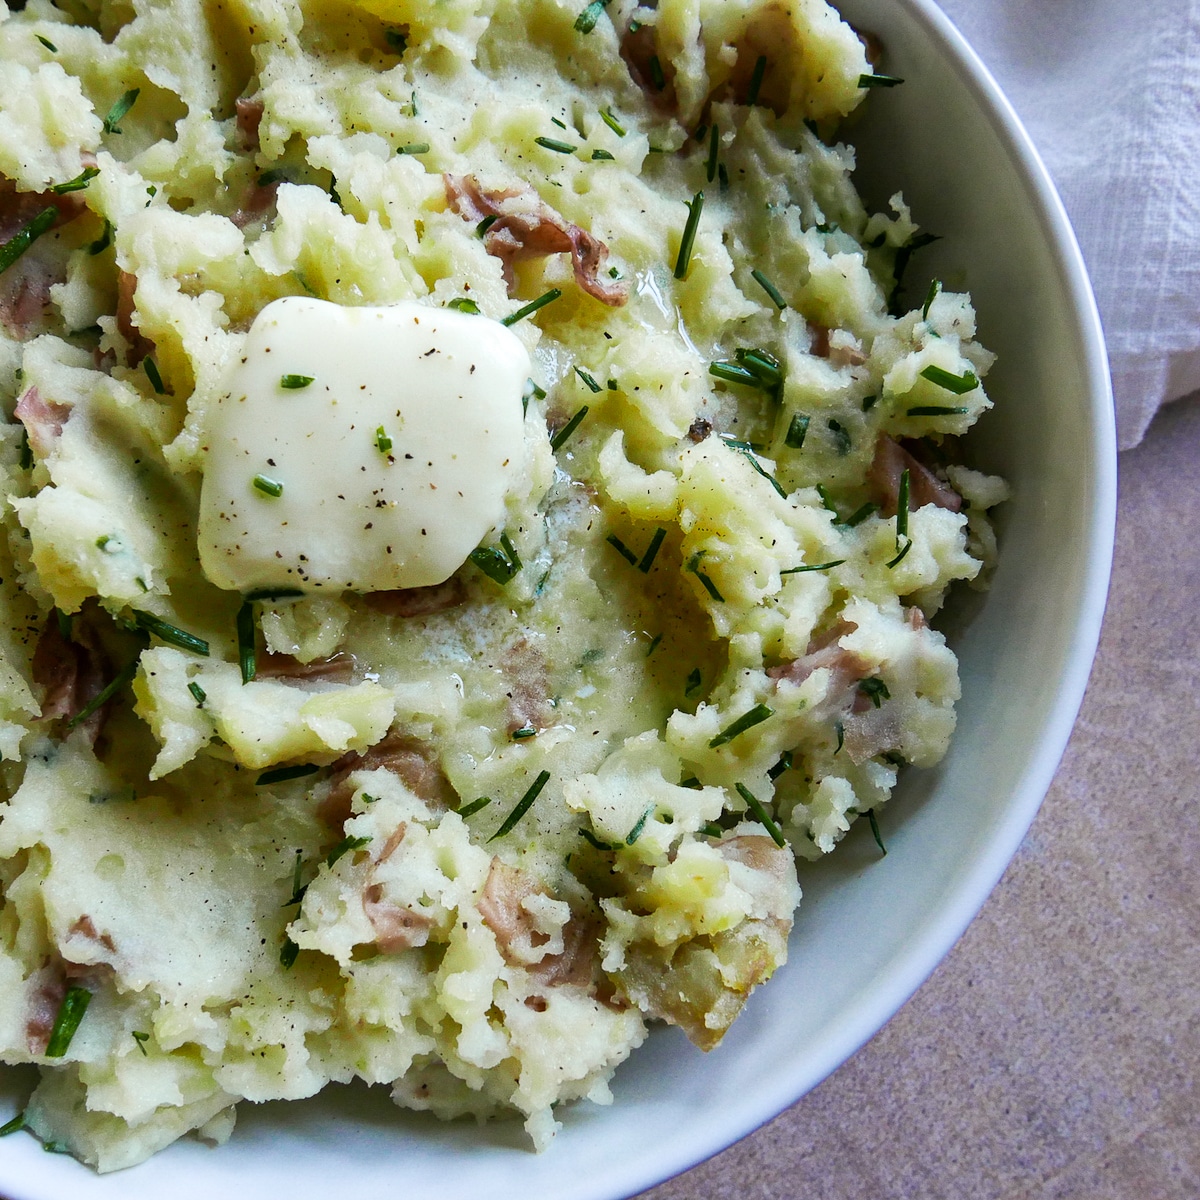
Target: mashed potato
[464, 839]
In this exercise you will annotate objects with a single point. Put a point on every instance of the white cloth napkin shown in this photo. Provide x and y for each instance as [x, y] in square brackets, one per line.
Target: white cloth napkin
[1110, 92]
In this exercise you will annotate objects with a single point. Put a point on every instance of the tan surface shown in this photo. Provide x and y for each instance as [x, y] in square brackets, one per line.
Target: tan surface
[1056, 1052]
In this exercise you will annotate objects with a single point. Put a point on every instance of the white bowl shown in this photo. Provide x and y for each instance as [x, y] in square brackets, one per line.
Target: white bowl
[869, 930]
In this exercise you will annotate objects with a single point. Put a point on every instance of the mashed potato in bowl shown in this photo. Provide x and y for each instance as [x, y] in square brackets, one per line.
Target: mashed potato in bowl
[458, 819]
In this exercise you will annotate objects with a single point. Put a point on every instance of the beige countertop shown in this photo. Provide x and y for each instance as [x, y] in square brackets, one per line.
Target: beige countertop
[1056, 1052]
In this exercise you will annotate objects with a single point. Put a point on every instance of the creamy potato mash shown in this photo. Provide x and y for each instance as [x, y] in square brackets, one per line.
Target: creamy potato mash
[440, 705]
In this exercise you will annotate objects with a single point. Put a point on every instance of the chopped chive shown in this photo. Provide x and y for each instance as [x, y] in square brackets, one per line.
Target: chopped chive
[141, 1039]
[532, 389]
[826, 501]
[397, 39]
[693, 565]
[714, 145]
[272, 594]
[468, 810]
[763, 365]
[930, 297]
[198, 693]
[652, 550]
[345, 846]
[756, 807]
[555, 145]
[636, 832]
[99, 701]
[711, 829]
[837, 562]
[598, 155]
[874, 689]
[655, 642]
[63, 621]
[622, 549]
[170, 634]
[756, 80]
[878, 81]
[613, 386]
[486, 224]
[902, 506]
[797, 429]
[26, 459]
[592, 840]
[56, 1147]
[283, 774]
[247, 657]
[295, 382]
[841, 436]
[590, 380]
[527, 731]
[684, 258]
[900, 265]
[656, 74]
[693, 681]
[938, 410]
[532, 307]
[47, 43]
[732, 372]
[151, 369]
[768, 287]
[523, 805]
[841, 736]
[13, 1126]
[569, 428]
[100, 244]
[413, 148]
[498, 565]
[859, 515]
[78, 183]
[274, 175]
[120, 109]
[586, 21]
[784, 764]
[692, 783]
[29, 233]
[288, 954]
[413, 105]
[747, 451]
[383, 443]
[606, 115]
[267, 485]
[556, 121]
[70, 1013]
[756, 716]
[895, 562]
[723, 176]
[873, 821]
[869, 402]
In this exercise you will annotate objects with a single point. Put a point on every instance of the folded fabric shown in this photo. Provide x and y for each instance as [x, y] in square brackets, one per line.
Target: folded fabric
[1110, 92]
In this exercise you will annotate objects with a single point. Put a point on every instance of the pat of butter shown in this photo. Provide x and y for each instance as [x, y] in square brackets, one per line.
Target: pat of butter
[360, 448]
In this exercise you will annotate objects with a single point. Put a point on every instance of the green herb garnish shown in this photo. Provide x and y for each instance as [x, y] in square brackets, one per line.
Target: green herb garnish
[895, 562]
[938, 410]
[198, 693]
[413, 148]
[878, 81]
[47, 43]
[99, 701]
[486, 224]
[78, 183]
[532, 307]
[930, 296]
[784, 764]
[468, 810]
[344, 847]
[101, 243]
[900, 264]
[586, 21]
[692, 683]
[383, 443]
[684, 258]
[622, 549]
[70, 1013]
[902, 506]
[267, 485]
[859, 515]
[655, 641]
[527, 731]
[464, 304]
[958, 384]
[555, 145]
[590, 380]
[247, 656]
[869, 402]
[283, 774]
[606, 115]
[294, 383]
[874, 823]
[141, 1039]
[841, 737]
[397, 39]
[768, 287]
[714, 145]
[151, 369]
[592, 840]
[288, 954]
[523, 805]
[842, 442]
[656, 74]
[756, 80]
[636, 832]
[756, 807]
[693, 565]
[120, 109]
[569, 428]
[837, 562]
[171, 634]
[598, 155]
[13, 1126]
[29, 233]
[797, 429]
[875, 690]
[272, 594]
[747, 452]
[732, 372]
[652, 550]
[756, 716]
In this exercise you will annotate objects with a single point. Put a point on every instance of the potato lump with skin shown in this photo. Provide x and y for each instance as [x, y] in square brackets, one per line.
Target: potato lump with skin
[465, 840]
